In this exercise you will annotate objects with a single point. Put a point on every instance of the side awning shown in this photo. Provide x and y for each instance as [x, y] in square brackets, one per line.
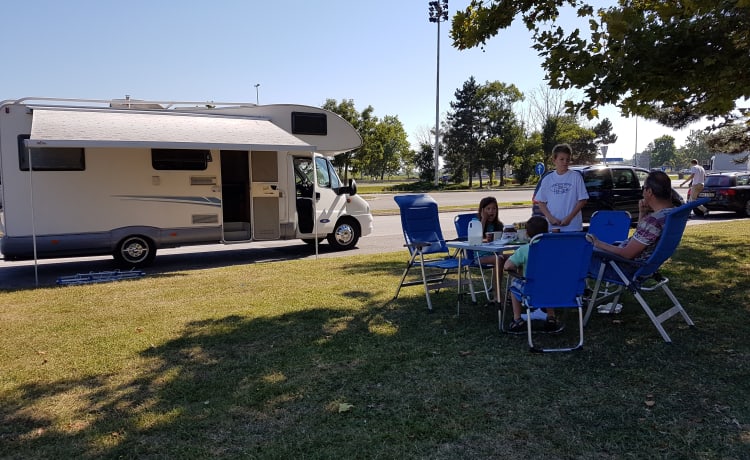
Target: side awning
[118, 129]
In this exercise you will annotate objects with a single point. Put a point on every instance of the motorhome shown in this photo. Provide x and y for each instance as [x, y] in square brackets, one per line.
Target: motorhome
[127, 178]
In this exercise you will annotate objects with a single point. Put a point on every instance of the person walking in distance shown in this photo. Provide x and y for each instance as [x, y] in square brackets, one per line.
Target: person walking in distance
[698, 180]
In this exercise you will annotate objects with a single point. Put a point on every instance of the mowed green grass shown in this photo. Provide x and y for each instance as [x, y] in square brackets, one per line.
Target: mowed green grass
[313, 359]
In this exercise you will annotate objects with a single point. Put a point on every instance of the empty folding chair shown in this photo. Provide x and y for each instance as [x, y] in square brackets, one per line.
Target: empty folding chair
[610, 226]
[420, 222]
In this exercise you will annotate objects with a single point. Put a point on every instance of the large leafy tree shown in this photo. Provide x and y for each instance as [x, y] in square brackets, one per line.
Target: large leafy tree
[384, 148]
[674, 61]
[566, 129]
[465, 130]
[425, 162]
[361, 121]
[663, 151]
[695, 147]
[499, 141]
[530, 153]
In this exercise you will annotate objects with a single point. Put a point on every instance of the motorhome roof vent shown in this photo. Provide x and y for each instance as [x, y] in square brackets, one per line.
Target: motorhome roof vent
[128, 103]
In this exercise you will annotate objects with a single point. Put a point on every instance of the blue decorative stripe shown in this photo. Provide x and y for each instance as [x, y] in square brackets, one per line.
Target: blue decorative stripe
[199, 200]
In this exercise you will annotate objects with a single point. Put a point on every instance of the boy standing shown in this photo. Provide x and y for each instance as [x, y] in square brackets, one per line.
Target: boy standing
[562, 193]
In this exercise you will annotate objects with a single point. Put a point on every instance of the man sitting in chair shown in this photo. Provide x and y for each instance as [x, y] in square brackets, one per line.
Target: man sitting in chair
[652, 214]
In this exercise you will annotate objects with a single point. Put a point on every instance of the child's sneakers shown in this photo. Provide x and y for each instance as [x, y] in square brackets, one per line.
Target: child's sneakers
[553, 326]
[517, 326]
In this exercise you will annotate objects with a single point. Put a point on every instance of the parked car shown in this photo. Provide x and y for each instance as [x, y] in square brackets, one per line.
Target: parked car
[612, 187]
[729, 191]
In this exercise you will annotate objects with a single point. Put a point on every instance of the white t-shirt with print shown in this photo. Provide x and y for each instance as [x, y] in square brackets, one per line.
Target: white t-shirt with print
[562, 193]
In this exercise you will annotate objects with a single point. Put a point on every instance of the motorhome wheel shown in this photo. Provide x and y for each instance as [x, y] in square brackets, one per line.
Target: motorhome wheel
[135, 251]
[345, 235]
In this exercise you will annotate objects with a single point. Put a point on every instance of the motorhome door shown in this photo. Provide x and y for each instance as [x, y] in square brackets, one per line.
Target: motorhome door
[265, 192]
[235, 195]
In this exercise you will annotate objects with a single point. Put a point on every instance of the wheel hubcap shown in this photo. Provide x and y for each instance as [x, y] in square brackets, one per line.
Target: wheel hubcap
[344, 234]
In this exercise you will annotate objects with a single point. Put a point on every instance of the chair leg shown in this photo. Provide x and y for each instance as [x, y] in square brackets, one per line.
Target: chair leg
[578, 346]
[658, 320]
[424, 281]
[409, 265]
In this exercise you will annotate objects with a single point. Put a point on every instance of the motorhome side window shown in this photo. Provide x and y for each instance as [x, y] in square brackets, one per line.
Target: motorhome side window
[180, 159]
[50, 159]
[309, 123]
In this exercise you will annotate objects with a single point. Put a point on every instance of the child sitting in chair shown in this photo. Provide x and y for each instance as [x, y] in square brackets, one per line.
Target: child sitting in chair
[517, 262]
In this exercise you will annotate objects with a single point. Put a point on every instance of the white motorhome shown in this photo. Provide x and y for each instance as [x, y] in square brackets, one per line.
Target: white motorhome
[124, 177]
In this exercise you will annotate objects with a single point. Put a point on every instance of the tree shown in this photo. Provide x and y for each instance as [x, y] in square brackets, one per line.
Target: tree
[425, 162]
[384, 147]
[566, 129]
[668, 60]
[502, 130]
[663, 151]
[464, 130]
[729, 139]
[695, 147]
[346, 110]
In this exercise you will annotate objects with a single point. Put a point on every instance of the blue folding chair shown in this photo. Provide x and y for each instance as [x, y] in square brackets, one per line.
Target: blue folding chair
[555, 277]
[461, 222]
[643, 276]
[420, 222]
[610, 226]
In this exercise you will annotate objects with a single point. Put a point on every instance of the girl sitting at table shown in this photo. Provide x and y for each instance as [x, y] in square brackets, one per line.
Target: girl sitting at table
[487, 215]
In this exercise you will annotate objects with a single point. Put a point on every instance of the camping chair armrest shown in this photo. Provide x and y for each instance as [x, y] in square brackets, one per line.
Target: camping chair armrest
[606, 256]
[515, 274]
[418, 245]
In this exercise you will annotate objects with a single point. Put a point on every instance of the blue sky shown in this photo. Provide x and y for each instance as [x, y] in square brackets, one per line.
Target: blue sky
[380, 53]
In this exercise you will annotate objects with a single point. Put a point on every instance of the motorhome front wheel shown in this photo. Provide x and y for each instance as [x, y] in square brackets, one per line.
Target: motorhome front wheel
[345, 235]
[135, 251]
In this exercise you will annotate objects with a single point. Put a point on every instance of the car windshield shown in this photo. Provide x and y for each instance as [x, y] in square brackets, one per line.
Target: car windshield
[719, 181]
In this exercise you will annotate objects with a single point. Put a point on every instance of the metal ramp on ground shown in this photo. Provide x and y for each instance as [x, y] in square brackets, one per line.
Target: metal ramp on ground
[99, 277]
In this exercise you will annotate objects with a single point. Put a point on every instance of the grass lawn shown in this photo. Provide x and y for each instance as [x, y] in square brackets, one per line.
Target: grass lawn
[311, 359]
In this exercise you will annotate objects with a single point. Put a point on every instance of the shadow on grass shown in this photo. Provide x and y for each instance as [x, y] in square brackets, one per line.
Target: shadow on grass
[391, 381]
[22, 277]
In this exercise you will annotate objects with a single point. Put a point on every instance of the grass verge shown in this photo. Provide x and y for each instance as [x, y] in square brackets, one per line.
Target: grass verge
[312, 359]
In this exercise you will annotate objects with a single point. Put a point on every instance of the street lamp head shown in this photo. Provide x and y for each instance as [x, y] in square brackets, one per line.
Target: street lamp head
[438, 10]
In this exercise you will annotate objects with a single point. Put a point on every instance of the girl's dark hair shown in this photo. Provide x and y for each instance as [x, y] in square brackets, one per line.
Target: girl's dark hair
[536, 225]
[660, 185]
[483, 204]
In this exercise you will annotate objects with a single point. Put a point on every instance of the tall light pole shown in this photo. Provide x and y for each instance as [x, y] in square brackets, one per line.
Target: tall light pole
[438, 13]
[256, 93]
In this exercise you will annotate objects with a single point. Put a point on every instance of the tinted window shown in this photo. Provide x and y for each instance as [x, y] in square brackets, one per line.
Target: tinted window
[743, 180]
[309, 123]
[50, 159]
[719, 181]
[596, 179]
[180, 159]
[624, 178]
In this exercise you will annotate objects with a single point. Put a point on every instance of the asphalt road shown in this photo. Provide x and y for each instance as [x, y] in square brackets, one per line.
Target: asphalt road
[386, 237]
